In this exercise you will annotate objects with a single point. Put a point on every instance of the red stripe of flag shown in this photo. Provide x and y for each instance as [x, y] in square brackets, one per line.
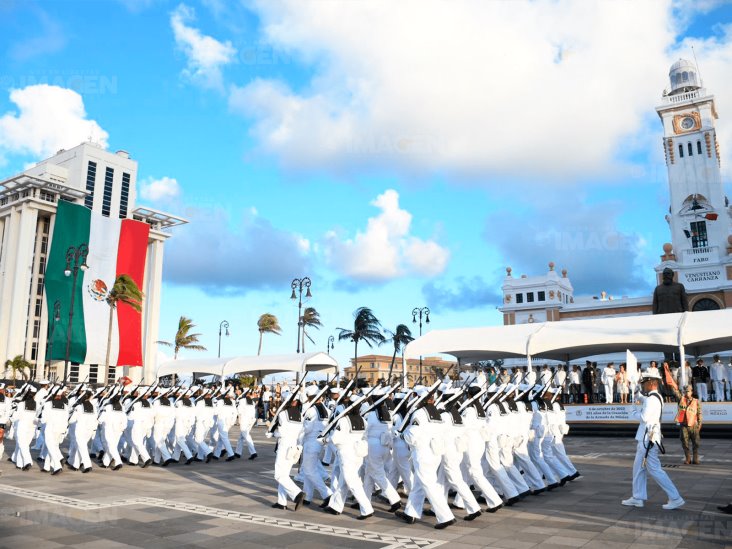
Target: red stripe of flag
[131, 256]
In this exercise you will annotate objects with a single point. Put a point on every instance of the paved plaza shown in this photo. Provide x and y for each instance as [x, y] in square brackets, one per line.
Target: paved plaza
[228, 505]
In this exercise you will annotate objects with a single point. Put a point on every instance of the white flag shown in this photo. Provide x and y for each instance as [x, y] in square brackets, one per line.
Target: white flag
[631, 366]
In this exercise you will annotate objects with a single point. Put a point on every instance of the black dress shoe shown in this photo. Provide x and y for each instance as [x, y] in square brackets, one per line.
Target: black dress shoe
[564, 481]
[395, 507]
[355, 506]
[575, 475]
[101, 464]
[552, 486]
[299, 499]
[481, 499]
[72, 467]
[216, 457]
[253, 456]
[537, 492]
[511, 501]
[231, 458]
[727, 509]
[332, 511]
[117, 467]
[494, 509]
[93, 456]
[208, 457]
[278, 506]
[443, 525]
[325, 503]
[472, 516]
[190, 460]
[86, 470]
[522, 495]
[428, 513]
[306, 502]
[56, 471]
[146, 464]
[405, 517]
[364, 517]
[237, 456]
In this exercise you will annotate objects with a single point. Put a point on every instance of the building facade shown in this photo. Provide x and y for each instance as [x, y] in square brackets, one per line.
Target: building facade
[104, 182]
[374, 368]
[699, 219]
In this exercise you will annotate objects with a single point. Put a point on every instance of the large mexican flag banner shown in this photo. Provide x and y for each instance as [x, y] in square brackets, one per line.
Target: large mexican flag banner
[116, 246]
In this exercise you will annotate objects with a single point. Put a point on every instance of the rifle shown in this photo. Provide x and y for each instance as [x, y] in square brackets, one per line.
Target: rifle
[438, 377]
[333, 422]
[139, 398]
[382, 399]
[315, 399]
[414, 406]
[285, 404]
[347, 389]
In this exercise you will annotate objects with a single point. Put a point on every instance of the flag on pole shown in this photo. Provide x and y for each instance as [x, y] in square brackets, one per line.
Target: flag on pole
[116, 246]
[631, 367]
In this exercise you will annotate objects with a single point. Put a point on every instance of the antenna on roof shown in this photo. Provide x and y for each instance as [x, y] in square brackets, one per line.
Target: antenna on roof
[698, 70]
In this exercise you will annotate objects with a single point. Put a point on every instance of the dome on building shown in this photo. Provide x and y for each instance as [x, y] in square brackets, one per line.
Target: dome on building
[684, 76]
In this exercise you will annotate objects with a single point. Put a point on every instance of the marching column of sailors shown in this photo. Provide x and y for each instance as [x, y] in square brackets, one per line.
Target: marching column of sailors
[435, 443]
[138, 425]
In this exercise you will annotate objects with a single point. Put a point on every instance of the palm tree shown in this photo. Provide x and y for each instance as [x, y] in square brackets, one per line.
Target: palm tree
[400, 338]
[184, 340]
[18, 364]
[366, 328]
[310, 317]
[125, 291]
[267, 324]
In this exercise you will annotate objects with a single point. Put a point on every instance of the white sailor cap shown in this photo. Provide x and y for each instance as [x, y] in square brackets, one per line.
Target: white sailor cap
[650, 375]
[422, 392]
[444, 387]
[418, 388]
[311, 390]
[32, 389]
[552, 390]
[44, 382]
[524, 387]
[2, 386]
[335, 389]
[400, 395]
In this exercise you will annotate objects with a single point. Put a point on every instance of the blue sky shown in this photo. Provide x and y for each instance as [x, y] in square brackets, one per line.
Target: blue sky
[401, 154]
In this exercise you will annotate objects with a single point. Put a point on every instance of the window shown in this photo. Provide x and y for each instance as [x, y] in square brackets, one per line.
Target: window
[124, 195]
[36, 328]
[691, 149]
[93, 372]
[111, 374]
[38, 306]
[698, 147]
[699, 234]
[541, 296]
[91, 174]
[107, 197]
[74, 372]
[685, 76]
[529, 297]
[519, 298]
[681, 151]
[34, 355]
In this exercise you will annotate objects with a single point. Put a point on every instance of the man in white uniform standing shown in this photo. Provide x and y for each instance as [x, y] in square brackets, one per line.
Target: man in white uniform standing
[647, 450]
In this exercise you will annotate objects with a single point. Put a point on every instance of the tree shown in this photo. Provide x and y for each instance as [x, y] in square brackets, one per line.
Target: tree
[125, 291]
[399, 338]
[366, 328]
[19, 364]
[310, 318]
[267, 324]
[184, 340]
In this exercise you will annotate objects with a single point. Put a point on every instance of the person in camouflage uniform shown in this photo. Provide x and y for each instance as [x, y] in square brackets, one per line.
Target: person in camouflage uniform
[688, 417]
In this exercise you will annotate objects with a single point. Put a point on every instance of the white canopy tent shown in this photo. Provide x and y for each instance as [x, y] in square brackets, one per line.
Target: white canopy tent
[255, 365]
[699, 332]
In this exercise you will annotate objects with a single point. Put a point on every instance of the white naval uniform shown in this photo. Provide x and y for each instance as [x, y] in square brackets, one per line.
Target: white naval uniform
[558, 423]
[423, 435]
[185, 418]
[718, 374]
[314, 420]
[204, 414]
[524, 435]
[352, 448]
[608, 380]
[649, 431]
[510, 424]
[456, 444]
[379, 438]
[140, 421]
[539, 427]
[498, 441]
[5, 405]
[55, 418]
[24, 426]
[163, 412]
[247, 410]
[289, 435]
[547, 444]
[225, 420]
[82, 426]
[479, 437]
[402, 457]
[40, 398]
[114, 422]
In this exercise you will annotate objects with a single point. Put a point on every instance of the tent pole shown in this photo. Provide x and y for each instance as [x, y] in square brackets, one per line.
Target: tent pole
[404, 372]
[682, 353]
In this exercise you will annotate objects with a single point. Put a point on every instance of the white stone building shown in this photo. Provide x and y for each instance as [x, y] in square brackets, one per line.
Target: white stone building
[103, 181]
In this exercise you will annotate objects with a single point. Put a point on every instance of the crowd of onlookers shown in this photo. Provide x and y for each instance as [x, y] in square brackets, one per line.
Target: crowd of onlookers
[612, 384]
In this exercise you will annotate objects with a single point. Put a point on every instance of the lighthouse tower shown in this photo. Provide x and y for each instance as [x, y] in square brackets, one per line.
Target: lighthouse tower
[699, 215]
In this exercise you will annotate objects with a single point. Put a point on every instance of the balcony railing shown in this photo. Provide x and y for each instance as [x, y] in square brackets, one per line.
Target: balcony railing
[687, 96]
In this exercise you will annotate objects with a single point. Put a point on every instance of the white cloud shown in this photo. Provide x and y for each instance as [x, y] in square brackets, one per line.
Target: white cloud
[548, 88]
[385, 250]
[157, 190]
[205, 55]
[48, 118]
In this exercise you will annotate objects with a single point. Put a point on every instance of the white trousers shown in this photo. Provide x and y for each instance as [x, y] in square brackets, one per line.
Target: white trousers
[718, 390]
[537, 456]
[450, 474]
[286, 487]
[375, 471]
[652, 468]
[532, 476]
[245, 438]
[425, 485]
[311, 469]
[492, 453]
[701, 390]
[401, 465]
[348, 480]
[609, 391]
[560, 454]
[223, 442]
[547, 448]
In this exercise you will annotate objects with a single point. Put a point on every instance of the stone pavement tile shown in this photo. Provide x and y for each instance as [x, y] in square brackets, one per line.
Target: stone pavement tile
[513, 544]
[605, 544]
[75, 539]
[565, 541]
[221, 531]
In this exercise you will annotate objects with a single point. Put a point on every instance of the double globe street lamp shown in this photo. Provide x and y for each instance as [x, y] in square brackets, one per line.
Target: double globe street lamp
[75, 262]
[224, 326]
[418, 312]
[298, 284]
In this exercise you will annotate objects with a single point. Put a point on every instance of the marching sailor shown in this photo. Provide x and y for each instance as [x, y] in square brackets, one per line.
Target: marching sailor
[225, 419]
[140, 421]
[648, 447]
[315, 418]
[287, 429]
[55, 417]
[247, 410]
[24, 426]
[113, 420]
[5, 407]
[494, 429]
[163, 412]
[82, 426]
[185, 418]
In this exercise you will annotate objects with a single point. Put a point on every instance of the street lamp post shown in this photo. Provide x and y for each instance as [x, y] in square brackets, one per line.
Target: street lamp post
[418, 312]
[75, 261]
[49, 344]
[298, 284]
[223, 326]
[329, 345]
